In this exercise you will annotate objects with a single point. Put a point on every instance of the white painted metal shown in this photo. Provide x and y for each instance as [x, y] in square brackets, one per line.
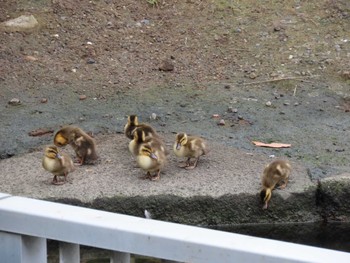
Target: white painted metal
[149, 237]
[16, 248]
[120, 257]
[69, 252]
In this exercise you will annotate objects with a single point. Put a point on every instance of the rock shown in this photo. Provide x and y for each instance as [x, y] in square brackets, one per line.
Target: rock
[286, 103]
[253, 75]
[166, 65]
[268, 103]
[21, 23]
[30, 58]
[215, 116]
[82, 97]
[14, 102]
[153, 116]
[221, 122]
[90, 61]
[43, 100]
[240, 117]
[230, 109]
[296, 103]
[227, 86]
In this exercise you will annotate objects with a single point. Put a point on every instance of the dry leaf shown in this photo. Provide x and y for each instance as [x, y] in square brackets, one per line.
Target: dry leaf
[272, 145]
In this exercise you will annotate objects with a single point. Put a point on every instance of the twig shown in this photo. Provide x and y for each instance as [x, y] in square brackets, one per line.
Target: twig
[279, 79]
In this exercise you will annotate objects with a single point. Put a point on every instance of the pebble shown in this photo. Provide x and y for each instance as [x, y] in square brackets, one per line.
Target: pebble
[286, 103]
[14, 102]
[227, 86]
[221, 122]
[231, 109]
[240, 117]
[90, 61]
[153, 116]
[82, 97]
[22, 22]
[166, 65]
[215, 116]
[268, 103]
[43, 100]
[296, 103]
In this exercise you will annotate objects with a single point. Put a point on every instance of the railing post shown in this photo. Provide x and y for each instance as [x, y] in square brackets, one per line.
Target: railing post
[120, 257]
[16, 248]
[69, 253]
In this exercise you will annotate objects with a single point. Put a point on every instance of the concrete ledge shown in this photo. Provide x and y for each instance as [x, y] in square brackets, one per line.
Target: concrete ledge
[223, 189]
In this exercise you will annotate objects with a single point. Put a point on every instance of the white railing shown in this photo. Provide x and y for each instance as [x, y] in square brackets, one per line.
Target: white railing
[25, 224]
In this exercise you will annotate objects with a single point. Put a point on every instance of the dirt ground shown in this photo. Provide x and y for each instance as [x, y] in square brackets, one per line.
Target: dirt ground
[272, 71]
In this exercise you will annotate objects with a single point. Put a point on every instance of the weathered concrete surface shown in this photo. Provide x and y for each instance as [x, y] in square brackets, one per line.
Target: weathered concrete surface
[223, 189]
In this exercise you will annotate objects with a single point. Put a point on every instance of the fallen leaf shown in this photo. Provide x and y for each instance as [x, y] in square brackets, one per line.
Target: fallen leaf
[40, 132]
[272, 145]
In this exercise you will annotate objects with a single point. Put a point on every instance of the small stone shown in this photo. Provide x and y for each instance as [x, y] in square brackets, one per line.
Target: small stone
[252, 75]
[240, 117]
[82, 97]
[346, 74]
[14, 102]
[90, 61]
[227, 86]
[30, 58]
[22, 23]
[166, 65]
[235, 110]
[230, 109]
[268, 103]
[296, 103]
[43, 100]
[286, 103]
[215, 116]
[153, 116]
[221, 122]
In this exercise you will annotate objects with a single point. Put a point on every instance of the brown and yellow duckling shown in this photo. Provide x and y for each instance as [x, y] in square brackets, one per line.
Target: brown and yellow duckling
[133, 123]
[151, 159]
[141, 138]
[82, 143]
[190, 147]
[59, 164]
[276, 173]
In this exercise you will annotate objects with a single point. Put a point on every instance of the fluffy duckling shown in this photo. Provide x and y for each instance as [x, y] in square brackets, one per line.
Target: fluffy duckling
[83, 145]
[141, 138]
[59, 164]
[151, 159]
[276, 173]
[133, 123]
[190, 147]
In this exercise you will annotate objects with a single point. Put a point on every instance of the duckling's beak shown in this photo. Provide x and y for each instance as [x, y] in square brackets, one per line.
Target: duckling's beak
[178, 146]
[153, 156]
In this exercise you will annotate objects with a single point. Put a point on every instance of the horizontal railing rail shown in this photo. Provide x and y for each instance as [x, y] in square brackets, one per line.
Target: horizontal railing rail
[26, 223]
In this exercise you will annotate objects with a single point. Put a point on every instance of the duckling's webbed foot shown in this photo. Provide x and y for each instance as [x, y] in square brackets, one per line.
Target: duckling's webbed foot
[55, 181]
[185, 164]
[147, 176]
[194, 165]
[156, 177]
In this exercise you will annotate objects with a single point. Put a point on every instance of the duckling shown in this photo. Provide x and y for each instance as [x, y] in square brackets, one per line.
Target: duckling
[276, 173]
[59, 164]
[140, 138]
[133, 123]
[151, 159]
[83, 145]
[190, 147]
